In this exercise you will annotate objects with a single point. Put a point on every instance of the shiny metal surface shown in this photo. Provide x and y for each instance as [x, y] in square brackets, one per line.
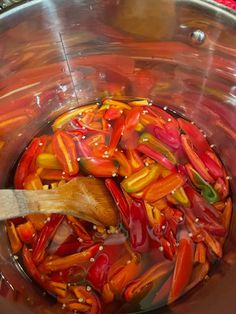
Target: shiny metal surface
[57, 54]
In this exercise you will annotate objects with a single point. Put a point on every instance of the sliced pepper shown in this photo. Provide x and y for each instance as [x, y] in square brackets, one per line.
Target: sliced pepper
[138, 226]
[97, 273]
[168, 134]
[60, 263]
[195, 135]
[65, 151]
[183, 267]
[163, 187]
[112, 114]
[181, 197]
[90, 300]
[107, 103]
[26, 232]
[139, 102]
[99, 167]
[27, 162]
[117, 131]
[119, 199]
[37, 220]
[214, 169]
[132, 119]
[48, 161]
[124, 166]
[195, 160]
[32, 182]
[45, 237]
[66, 117]
[157, 145]
[14, 239]
[155, 273]
[207, 190]
[134, 160]
[141, 179]
[227, 213]
[200, 253]
[79, 228]
[152, 153]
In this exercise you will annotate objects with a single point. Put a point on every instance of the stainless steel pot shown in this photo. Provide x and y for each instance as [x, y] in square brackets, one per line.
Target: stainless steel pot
[58, 54]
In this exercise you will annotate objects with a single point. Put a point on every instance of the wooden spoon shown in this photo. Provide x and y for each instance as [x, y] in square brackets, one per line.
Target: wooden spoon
[86, 198]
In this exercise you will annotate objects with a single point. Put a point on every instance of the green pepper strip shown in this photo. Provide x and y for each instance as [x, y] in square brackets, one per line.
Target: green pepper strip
[207, 190]
[139, 180]
[157, 145]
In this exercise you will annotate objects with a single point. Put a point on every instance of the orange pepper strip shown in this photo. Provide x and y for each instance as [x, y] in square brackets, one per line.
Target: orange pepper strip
[156, 272]
[33, 182]
[58, 288]
[65, 151]
[26, 232]
[37, 220]
[183, 267]
[200, 253]
[15, 242]
[61, 263]
[163, 187]
[134, 160]
[124, 166]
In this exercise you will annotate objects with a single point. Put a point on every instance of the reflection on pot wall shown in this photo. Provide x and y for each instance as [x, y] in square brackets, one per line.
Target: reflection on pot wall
[61, 54]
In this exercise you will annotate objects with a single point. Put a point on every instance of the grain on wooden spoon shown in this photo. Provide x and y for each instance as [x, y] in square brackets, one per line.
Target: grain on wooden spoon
[83, 197]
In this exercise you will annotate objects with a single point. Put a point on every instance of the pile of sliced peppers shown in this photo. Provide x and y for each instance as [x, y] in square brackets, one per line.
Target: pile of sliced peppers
[171, 192]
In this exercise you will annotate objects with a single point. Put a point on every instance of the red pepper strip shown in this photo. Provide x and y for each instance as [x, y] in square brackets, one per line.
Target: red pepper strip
[167, 251]
[132, 119]
[61, 263]
[112, 114]
[28, 160]
[152, 153]
[21, 220]
[206, 213]
[153, 274]
[119, 199]
[138, 226]
[124, 166]
[195, 160]
[45, 236]
[69, 248]
[15, 242]
[129, 140]
[169, 134]
[150, 120]
[134, 160]
[97, 273]
[99, 167]
[99, 151]
[214, 169]
[31, 267]
[79, 228]
[91, 127]
[117, 131]
[54, 175]
[90, 299]
[94, 140]
[227, 213]
[196, 137]
[163, 114]
[65, 151]
[163, 187]
[26, 232]
[183, 266]
[78, 133]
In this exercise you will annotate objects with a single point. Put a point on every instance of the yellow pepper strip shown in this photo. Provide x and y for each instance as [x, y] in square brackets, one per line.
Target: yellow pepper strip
[58, 288]
[48, 161]
[147, 138]
[115, 104]
[15, 242]
[139, 102]
[139, 127]
[154, 214]
[139, 180]
[181, 197]
[66, 117]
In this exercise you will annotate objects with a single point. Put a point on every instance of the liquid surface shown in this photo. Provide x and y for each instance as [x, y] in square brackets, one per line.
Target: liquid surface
[170, 190]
